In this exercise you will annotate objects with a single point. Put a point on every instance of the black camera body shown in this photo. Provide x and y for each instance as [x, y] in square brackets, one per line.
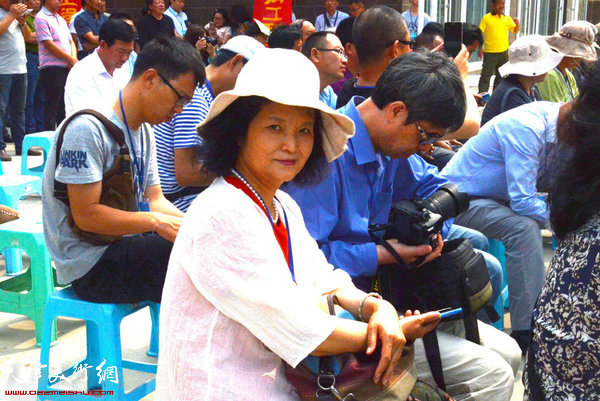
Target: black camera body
[418, 221]
[211, 41]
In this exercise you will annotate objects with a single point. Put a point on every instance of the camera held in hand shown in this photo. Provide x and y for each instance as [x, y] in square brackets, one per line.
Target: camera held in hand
[211, 41]
[418, 221]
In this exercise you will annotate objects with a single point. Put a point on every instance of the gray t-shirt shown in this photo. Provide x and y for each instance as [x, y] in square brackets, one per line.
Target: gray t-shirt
[88, 151]
[12, 48]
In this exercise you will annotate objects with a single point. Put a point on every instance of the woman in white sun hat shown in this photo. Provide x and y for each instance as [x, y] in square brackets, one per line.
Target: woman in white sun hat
[577, 41]
[530, 59]
[246, 281]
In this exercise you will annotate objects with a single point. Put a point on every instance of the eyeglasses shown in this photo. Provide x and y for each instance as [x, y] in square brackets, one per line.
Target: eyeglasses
[409, 43]
[428, 137]
[181, 100]
[339, 51]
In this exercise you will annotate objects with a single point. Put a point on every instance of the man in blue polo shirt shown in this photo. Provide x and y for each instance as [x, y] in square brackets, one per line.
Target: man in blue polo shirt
[177, 142]
[87, 25]
[379, 169]
[179, 17]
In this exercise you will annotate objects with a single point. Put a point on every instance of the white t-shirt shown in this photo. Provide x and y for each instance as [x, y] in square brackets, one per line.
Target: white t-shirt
[12, 48]
[230, 312]
[90, 85]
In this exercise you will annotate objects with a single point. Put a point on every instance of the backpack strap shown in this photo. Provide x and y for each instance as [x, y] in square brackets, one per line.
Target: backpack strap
[505, 98]
[432, 352]
[60, 188]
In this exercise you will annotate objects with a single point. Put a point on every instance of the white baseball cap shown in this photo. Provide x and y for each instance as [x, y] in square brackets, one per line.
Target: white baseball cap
[288, 77]
[244, 45]
[530, 56]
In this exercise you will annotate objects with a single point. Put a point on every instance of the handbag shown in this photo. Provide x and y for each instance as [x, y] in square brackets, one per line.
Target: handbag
[117, 183]
[350, 376]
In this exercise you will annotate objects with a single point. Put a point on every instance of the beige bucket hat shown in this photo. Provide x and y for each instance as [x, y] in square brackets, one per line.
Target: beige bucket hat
[530, 56]
[287, 77]
[576, 39]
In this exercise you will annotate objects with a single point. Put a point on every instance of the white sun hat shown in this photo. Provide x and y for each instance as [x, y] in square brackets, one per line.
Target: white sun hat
[530, 56]
[287, 77]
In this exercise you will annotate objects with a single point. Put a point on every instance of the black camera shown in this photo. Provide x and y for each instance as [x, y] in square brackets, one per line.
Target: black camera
[211, 41]
[418, 221]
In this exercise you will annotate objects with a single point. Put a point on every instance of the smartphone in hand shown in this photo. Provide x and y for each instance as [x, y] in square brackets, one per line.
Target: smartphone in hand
[452, 38]
[26, 12]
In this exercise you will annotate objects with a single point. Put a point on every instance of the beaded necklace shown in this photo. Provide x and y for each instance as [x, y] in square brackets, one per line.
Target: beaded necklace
[246, 183]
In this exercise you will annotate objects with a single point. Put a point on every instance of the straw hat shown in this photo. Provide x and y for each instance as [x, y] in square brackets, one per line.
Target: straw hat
[530, 56]
[576, 39]
[288, 77]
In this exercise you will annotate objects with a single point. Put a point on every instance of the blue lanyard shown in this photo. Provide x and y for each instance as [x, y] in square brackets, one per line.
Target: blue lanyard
[138, 163]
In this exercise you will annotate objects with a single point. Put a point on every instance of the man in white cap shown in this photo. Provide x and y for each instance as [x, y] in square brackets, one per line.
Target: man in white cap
[530, 59]
[576, 40]
[177, 141]
[502, 169]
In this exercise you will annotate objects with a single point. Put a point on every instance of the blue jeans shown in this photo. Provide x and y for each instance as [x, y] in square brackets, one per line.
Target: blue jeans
[13, 91]
[34, 111]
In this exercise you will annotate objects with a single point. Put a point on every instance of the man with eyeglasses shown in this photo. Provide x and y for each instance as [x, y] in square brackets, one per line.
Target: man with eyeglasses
[177, 142]
[379, 169]
[326, 52]
[133, 268]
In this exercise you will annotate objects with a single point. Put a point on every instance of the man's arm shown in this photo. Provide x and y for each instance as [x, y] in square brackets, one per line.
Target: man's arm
[57, 51]
[517, 26]
[158, 202]
[14, 12]
[28, 35]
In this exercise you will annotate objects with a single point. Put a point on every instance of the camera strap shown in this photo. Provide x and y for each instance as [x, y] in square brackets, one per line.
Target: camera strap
[373, 228]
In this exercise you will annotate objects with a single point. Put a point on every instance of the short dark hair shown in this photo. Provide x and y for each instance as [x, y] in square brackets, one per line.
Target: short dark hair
[471, 34]
[376, 29]
[223, 12]
[284, 36]
[253, 30]
[425, 41]
[317, 40]
[344, 30]
[223, 135]
[429, 84]
[172, 57]
[433, 27]
[193, 34]
[224, 56]
[120, 16]
[116, 29]
[357, 2]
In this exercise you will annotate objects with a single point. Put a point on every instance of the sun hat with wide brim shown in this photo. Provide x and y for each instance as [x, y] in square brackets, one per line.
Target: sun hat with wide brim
[576, 39]
[530, 56]
[287, 77]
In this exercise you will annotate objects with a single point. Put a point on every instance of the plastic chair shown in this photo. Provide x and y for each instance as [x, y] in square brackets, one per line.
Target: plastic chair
[12, 189]
[497, 249]
[27, 293]
[43, 140]
[103, 330]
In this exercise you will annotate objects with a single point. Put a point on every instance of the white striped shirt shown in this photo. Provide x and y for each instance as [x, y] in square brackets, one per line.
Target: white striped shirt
[181, 133]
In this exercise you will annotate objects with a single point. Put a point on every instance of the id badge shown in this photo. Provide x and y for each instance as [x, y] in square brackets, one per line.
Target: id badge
[144, 205]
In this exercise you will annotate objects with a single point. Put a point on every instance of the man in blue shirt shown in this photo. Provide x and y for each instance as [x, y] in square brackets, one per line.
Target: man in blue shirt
[331, 18]
[177, 141]
[500, 167]
[87, 25]
[379, 169]
[179, 17]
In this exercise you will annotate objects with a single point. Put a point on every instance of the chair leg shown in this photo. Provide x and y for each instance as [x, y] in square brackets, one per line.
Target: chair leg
[154, 315]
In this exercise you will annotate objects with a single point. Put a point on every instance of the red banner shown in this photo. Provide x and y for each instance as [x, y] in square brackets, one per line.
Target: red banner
[273, 12]
[68, 8]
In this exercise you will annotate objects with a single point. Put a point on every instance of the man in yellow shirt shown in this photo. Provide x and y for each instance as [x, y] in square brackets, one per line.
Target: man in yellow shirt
[495, 26]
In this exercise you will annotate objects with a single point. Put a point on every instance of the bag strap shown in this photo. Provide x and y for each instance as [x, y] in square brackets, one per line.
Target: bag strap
[60, 188]
[505, 98]
[432, 352]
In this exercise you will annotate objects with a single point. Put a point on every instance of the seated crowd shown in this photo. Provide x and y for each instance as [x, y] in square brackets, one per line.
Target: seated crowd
[258, 174]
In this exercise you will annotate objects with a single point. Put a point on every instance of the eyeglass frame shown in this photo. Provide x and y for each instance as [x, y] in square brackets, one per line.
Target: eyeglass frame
[339, 51]
[428, 138]
[409, 43]
[181, 100]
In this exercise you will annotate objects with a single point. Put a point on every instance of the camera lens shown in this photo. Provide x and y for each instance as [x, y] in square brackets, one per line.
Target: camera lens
[447, 202]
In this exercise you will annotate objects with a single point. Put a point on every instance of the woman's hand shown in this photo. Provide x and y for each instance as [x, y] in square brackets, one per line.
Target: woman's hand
[383, 328]
[415, 325]
[201, 44]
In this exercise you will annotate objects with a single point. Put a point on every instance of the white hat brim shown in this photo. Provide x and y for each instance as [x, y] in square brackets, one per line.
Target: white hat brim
[337, 127]
[532, 68]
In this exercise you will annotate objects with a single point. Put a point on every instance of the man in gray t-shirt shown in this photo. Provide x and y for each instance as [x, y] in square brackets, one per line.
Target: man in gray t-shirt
[133, 268]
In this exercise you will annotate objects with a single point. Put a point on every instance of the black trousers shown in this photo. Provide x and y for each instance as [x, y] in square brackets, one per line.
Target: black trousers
[52, 82]
[131, 270]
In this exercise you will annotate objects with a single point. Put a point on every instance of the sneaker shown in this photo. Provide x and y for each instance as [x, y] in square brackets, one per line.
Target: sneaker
[522, 338]
[30, 152]
[5, 157]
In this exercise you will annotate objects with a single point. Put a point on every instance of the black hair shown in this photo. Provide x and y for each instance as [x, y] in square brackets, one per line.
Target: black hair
[573, 196]
[224, 134]
[223, 12]
[434, 27]
[120, 16]
[471, 34]
[116, 29]
[253, 30]
[239, 15]
[298, 23]
[344, 30]
[316, 40]
[284, 36]
[224, 56]
[430, 86]
[146, 8]
[425, 41]
[194, 33]
[172, 57]
[375, 30]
